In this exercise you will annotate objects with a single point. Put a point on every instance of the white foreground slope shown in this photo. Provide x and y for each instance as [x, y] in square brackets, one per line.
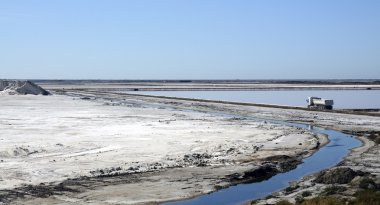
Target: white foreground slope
[45, 139]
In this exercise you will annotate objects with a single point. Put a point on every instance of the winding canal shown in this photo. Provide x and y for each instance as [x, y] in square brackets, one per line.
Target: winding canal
[328, 156]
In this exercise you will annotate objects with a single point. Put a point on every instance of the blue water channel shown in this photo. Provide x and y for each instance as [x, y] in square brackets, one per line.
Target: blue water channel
[328, 156]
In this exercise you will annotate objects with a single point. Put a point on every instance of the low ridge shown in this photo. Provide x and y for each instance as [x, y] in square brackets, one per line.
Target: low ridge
[19, 87]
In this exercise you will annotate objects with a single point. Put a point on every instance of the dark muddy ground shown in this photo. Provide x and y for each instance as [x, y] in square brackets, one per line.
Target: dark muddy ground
[269, 167]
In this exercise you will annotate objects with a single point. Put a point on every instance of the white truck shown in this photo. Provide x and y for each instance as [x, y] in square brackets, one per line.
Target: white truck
[319, 103]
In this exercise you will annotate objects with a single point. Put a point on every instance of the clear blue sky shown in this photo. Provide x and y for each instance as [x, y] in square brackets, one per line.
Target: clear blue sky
[162, 39]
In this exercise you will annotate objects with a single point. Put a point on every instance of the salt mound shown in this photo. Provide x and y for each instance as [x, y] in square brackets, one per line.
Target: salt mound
[17, 87]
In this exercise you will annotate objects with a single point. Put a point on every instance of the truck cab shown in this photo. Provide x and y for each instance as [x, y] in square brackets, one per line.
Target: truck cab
[320, 103]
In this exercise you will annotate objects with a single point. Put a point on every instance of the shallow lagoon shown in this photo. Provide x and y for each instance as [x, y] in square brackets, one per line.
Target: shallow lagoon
[342, 98]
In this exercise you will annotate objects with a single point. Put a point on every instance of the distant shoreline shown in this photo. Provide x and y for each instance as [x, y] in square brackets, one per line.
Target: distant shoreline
[221, 81]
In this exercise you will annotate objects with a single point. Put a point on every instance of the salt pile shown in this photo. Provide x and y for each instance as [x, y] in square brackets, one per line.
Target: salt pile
[17, 87]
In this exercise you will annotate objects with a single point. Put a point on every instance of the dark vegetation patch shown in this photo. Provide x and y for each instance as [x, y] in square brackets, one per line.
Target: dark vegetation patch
[340, 175]
[368, 183]
[39, 191]
[75, 185]
[270, 167]
[368, 194]
[283, 202]
[367, 197]
[324, 201]
[284, 162]
[372, 135]
[291, 189]
[306, 194]
[375, 137]
[197, 159]
[255, 175]
[331, 190]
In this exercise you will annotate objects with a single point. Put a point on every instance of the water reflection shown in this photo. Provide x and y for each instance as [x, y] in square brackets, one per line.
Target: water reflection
[342, 98]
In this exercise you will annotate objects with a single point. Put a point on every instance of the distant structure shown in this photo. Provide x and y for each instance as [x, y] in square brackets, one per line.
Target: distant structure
[319, 103]
[17, 87]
